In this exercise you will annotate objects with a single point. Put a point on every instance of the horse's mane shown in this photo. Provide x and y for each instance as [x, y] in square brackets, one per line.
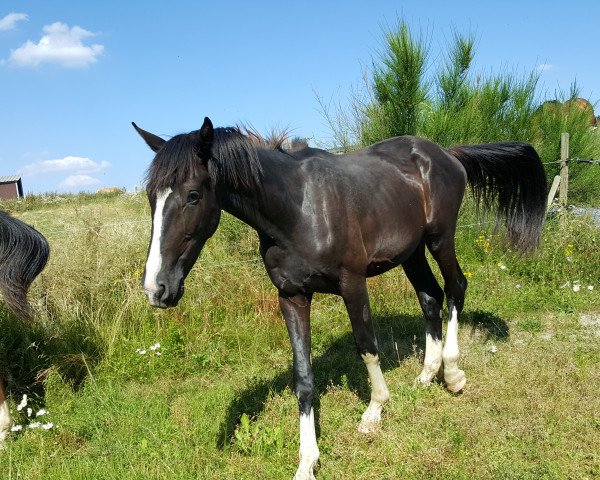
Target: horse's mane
[234, 158]
[23, 254]
[279, 140]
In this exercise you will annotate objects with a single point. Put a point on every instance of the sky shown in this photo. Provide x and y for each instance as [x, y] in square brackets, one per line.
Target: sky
[74, 75]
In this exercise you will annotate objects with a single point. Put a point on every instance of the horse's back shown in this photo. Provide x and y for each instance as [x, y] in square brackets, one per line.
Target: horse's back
[376, 204]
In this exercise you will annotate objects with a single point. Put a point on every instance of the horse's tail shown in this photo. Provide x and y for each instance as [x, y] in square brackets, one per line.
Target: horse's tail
[511, 176]
[23, 255]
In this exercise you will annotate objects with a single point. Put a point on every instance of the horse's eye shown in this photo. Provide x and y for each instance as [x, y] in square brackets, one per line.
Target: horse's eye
[193, 197]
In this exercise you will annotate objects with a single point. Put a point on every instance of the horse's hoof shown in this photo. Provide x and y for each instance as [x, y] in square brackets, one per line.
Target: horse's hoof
[304, 475]
[458, 383]
[368, 427]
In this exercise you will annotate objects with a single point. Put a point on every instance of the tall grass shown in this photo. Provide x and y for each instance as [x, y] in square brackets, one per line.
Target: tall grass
[218, 403]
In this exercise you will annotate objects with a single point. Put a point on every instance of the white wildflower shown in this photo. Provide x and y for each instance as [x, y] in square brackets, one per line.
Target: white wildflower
[158, 354]
[23, 403]
[518, 285]
[590, 287]
[502, 267]
[47, 426]
[16, 428]
[29, 412]
[576, 288]
[41, 412]
[34, 425]
[140, 351]
[154, 347]
[493, 349]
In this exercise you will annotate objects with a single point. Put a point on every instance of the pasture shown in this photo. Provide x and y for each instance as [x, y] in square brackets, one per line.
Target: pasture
[214, 400]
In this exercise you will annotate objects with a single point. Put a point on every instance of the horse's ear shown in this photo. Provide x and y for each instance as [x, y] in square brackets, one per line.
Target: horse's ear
[207, 134]
[153, 141]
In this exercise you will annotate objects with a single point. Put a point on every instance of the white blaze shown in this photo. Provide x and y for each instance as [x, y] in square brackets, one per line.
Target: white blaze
[154, 261]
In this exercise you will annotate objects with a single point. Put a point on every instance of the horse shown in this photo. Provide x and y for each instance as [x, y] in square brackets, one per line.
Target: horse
[327, 222]
[24, 253]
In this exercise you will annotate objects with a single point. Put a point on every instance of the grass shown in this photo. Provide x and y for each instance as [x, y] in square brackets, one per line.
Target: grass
[217, 403]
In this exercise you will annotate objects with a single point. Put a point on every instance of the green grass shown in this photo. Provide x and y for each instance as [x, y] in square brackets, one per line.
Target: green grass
[217, 403]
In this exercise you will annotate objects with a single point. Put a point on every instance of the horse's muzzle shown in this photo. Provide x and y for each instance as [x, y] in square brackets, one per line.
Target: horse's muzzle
[163, 295]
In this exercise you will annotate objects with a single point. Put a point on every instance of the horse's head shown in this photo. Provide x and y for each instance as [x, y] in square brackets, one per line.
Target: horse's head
[185, 210]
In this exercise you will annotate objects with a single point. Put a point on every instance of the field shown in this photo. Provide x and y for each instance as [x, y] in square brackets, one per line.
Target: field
[213, 401]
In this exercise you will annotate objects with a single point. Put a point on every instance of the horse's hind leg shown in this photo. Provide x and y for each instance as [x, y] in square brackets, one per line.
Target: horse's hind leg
[455, 285]
[356, 297]
[4, 413]
[431, 298]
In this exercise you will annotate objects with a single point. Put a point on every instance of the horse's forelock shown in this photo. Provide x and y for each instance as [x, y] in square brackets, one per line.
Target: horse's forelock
[173, 163]
[233, 162]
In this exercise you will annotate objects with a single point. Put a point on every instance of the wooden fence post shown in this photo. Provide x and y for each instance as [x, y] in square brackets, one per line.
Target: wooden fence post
[564, 169]
[553, 190]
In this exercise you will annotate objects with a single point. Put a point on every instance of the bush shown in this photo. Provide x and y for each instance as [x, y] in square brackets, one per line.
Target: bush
[455, 105]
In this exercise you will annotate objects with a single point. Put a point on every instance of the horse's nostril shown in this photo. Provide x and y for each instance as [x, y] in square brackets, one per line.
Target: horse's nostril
[161, 290]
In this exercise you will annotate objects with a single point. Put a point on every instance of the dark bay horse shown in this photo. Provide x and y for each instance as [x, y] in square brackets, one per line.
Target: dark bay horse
[23, 255]
[327, 222]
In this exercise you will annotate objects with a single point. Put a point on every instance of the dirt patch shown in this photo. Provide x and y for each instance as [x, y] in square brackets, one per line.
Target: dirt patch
[590, 321]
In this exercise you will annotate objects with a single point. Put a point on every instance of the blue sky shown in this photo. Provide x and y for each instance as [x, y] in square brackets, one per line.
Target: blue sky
[73, 74]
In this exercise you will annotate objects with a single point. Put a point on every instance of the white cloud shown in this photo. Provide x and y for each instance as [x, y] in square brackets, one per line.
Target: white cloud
[75, 181]
[78, 165]
[60, 45]
[545, 67]
[9, 22]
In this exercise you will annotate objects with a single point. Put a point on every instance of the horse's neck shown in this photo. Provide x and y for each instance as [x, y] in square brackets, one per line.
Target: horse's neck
[271, 207]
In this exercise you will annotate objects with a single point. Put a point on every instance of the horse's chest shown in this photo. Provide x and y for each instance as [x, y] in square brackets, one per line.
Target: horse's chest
[294, 273]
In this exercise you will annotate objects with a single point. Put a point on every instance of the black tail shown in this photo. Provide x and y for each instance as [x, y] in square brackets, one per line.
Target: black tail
[23, 255]
[511, 176]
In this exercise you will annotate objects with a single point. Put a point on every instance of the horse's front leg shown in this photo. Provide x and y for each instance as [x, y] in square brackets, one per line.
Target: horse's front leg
[356, 297]
[4, 413]
[296, 311]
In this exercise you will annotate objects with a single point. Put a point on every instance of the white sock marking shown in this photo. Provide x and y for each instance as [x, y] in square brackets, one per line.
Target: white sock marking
[433, 358]
[154, 261]
[379, 395]
[451, 346]
[309, 451]
[454, 377]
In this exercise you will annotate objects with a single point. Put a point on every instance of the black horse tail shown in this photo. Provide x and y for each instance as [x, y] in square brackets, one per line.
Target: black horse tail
[23, 255]
[511, 176]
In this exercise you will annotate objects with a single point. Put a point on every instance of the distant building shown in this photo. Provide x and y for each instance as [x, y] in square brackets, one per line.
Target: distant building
[11, 187]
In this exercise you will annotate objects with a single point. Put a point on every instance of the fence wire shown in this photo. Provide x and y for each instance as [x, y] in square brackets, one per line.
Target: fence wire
[576, 160]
